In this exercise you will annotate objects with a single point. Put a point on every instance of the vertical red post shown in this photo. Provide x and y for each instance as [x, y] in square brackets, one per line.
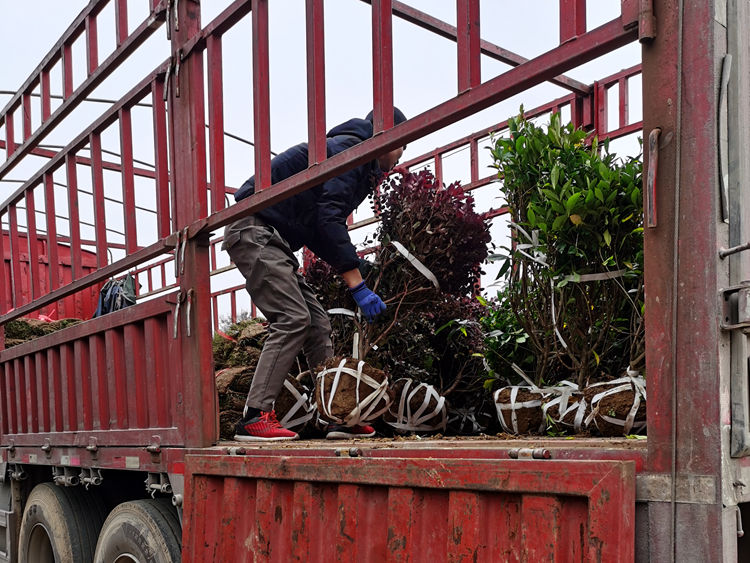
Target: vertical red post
[600, 109]
[10, 137]
[97, 184]
[51, 213]
[161, 164]
[474, 159]
[439, 168]
[92, 44]
[382, 65]
[33, 243]
[261, 95]
[44, 90]
[26, 110]
[572, 19]
[468, 40]
[121, 21]
[5, 302]
[216, 120]
[316, 83]
[15, 256]
[75, 222]
[67, 70]
[187, 118]
[128, 180]
[623, 90]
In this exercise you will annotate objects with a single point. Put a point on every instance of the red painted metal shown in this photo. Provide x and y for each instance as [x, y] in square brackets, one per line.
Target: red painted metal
[316, 93]
[572, 19]
[97, 183]
[261, 95]
[72, 99]
[161, 164]
[128, 180]
[382, 65]
[407, 507]
[99, 381]
[216, 120]
[468, 39]
[489, 49]
[75, 220]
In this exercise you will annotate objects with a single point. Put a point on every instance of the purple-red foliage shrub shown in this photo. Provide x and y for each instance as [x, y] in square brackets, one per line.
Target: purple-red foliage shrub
[435, 223]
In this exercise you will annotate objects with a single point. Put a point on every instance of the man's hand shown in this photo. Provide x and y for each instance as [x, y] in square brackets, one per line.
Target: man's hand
[370, 303]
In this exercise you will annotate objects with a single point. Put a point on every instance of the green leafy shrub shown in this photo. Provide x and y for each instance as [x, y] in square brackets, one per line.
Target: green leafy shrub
[574, 273]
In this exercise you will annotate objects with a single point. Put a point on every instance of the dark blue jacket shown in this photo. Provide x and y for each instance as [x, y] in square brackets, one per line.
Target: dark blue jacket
[316, 218]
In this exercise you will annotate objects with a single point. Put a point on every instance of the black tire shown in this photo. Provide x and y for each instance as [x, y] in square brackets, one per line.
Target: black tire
[60, 525]
[142, 531]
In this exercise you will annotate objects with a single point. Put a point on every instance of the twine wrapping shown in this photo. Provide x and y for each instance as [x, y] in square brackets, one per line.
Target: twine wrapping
[565, 406]
[514, 407]
[637, 385]
[418, 420]
[303, 403]
[364, 411]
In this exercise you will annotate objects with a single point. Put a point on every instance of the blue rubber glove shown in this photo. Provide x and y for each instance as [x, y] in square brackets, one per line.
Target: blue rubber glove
[370, 303]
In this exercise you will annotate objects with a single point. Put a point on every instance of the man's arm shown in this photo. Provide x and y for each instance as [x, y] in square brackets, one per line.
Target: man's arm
[352, 277]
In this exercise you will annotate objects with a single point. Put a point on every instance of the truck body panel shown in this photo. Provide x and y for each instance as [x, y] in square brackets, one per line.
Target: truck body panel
[132, 394]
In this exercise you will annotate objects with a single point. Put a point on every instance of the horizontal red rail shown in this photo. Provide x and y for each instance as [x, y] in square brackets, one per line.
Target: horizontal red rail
[61, 52]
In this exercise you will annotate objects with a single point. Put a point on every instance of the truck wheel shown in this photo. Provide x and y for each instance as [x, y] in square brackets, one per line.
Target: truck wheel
[60, 525]
[140, 531]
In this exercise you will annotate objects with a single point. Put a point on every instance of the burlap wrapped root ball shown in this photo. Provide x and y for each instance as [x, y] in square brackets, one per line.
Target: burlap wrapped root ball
[618, 407]
[294, 406]
[416, 407]
[519, 409]
[565, 408]
[349, 392]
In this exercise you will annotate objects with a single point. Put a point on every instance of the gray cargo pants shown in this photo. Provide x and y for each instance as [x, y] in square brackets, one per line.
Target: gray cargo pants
[297, 321]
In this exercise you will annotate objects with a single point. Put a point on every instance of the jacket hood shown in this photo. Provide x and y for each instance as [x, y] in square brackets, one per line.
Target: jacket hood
[360, 128]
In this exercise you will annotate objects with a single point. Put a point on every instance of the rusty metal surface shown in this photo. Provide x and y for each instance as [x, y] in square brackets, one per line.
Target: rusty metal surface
[401, 509]
[108, 378]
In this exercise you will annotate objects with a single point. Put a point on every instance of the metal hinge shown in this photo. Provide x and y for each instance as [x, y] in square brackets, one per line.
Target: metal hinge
[734, 304]
[529, 453]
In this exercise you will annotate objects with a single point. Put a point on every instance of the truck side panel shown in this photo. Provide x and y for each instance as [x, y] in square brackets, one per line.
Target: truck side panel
[282, 508]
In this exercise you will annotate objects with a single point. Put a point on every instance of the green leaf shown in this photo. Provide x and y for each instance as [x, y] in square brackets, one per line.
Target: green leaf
[607, 238]
[598, 193]
[572, 200]
[551, 195]
[531, 216]
[519, 143]
[482, 300]
[554, 176]
[558, 222]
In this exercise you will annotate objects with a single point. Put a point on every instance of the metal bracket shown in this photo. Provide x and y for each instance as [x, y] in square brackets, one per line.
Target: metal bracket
[91, 476]
[155, 446]
[653, 166]
[158, 483]
[169, 19]
[65, 476]
[180, 299]
[734, 304]
[189, 310]
[177, 74]
[529, 453]
[17, 472]
[168, 79]
[93, 445]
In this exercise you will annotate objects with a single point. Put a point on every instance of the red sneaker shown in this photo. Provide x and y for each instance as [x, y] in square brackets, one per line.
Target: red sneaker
[336, 432]
[263, 428]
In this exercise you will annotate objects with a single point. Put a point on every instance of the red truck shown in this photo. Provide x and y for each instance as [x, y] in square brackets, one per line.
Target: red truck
[109, 436]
